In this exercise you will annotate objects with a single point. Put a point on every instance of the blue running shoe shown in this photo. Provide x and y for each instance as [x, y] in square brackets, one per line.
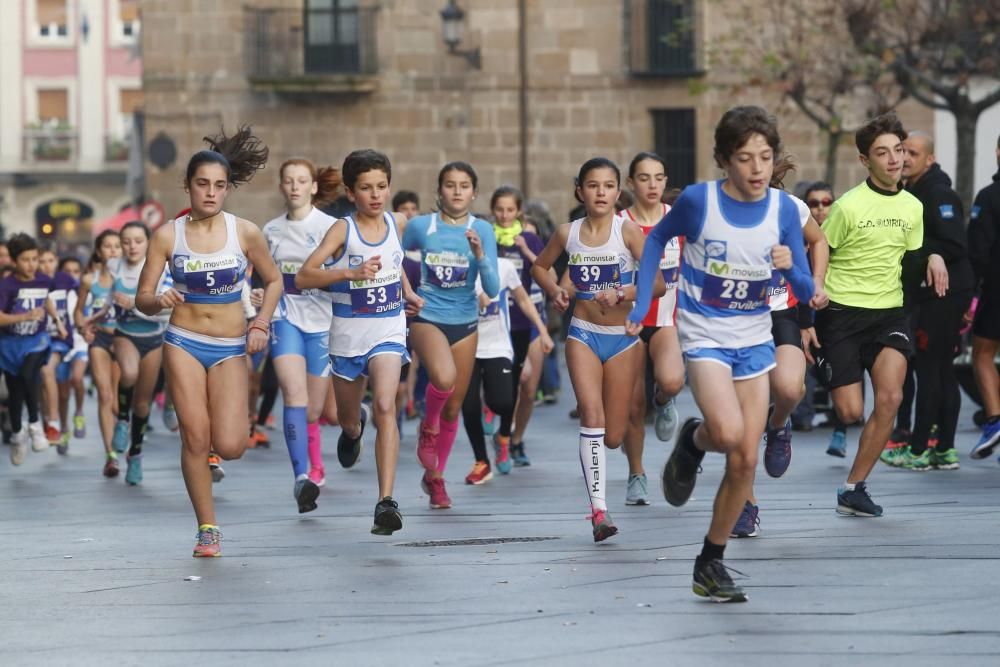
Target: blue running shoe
[120, 440]
[988, 440]
[491, 422]
[778, 449]
[838, 444]
[521, 459]
[133, 476]
[748, 523]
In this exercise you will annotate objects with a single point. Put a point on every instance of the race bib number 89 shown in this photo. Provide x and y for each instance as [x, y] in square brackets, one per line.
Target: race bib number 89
[447, 269]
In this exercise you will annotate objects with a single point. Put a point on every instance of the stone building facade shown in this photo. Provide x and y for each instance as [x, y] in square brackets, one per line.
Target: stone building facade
[318, 78]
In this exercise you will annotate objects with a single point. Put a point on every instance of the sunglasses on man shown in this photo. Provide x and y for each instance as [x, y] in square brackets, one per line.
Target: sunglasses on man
[814, 203]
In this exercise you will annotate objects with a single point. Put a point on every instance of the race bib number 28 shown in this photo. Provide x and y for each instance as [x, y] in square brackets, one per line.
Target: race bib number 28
[735, 286]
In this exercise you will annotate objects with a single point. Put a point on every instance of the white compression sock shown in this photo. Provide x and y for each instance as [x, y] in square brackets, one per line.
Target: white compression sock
[592, 460]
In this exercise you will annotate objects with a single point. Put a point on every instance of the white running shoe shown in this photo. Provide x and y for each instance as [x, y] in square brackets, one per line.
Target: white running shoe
[19, 447]
[666, 421]
[39, 441]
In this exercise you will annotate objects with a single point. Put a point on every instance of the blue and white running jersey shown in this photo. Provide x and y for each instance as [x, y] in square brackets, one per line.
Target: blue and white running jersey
[594, 269]
[291, 242]
[494, 320]
[63, 287]
[126, 281]
[215, 277]
[726, 266]
[368, 313]
[99, 298]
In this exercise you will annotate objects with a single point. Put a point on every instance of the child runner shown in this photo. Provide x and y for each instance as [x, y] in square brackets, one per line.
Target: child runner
[94, 317]
[455, 247]
[24, 342]
[647, 179]
[137, 348]
[207, 253]
[71, 372]
[492, 373]
[368, 330]
[872, 229]
[521, 248]
[735, 231]
[62, 285]
[603, 249]
[301, 331]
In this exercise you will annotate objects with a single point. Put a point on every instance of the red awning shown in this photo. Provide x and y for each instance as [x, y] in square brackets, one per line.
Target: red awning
[117, 221]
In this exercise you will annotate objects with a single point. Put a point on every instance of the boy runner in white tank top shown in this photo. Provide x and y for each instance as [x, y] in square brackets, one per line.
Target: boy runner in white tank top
[735, 231]
[368, 329]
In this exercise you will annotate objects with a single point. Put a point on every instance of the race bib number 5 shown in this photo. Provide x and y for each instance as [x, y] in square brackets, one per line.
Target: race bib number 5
[447, 269]
[216, 276]
[735, 286]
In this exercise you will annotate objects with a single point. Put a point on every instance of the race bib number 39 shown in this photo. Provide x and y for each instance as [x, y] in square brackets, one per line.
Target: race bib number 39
[735, 286]
[592, 274]
[381, 294]
[447, 269]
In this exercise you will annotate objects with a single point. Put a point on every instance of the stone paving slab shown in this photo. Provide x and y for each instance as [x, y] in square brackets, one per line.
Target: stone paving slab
[94, 571]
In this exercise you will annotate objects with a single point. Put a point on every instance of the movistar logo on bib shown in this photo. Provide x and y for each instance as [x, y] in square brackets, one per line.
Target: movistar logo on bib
[580, 258]
[739, 271]
[290, 267]
[447, 259]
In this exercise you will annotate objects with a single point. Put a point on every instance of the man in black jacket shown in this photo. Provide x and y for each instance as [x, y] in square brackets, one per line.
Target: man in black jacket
[984, 251]
[936, 320]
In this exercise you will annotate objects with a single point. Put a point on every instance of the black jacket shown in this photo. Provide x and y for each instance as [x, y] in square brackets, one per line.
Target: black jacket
[944, 233]
[984, 235]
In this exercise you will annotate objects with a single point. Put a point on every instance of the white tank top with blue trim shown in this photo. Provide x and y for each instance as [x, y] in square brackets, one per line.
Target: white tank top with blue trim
[593, 269]
[368, 313]
[291, 242]
[725, 274]
[214, 277]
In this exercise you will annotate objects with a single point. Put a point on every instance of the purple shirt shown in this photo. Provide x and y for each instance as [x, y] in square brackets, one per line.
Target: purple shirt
[518, 320]
[18, 296]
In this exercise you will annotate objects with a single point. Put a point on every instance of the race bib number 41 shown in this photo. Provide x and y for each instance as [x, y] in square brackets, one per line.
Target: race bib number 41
[735, 286]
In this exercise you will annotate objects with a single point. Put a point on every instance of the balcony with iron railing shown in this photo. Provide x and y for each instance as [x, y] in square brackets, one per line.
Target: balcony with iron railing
[50, 146]
[661, 39]
[116, 148]
[311, 50]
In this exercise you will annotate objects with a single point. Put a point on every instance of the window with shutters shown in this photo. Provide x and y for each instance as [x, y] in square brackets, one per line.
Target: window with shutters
[53, 106]
[662, 38]
[674, 139]
[49, 20]
[126, 21]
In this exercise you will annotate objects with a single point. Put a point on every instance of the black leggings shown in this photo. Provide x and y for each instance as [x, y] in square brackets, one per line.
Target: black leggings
[521, 341]
[938, 396]
[494, 378]
[25, 387]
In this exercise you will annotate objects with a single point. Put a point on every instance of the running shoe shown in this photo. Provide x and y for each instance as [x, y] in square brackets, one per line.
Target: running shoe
[387, 517]
[111, 466]
[170, 418]
[62, 448]
[120, 440]
[838, 444]
[574, 413]
[39, 441]
[712, 581]
[946, 460]
[666, 420]
[910, 461]
[550, 398]
[892, 457]
[501, 451]
[521, 459]
[318, 475]
[260, 439]
[636, 493]
[491, 421]
[857, 502]
[52, 434]
[215, 465]
[79, 426]
[778, 449]
[209, 544]
[680, 472]
[306, 492]
[434, 487]
[603, 526]
[989, 439]
[748, 525]
[19, 447]
[349, 449]
[410, 412]
[900, 438]
[427, 453]
[479, 474]
[133, 473]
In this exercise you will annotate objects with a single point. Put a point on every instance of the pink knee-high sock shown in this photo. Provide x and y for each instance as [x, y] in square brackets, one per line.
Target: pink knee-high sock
[445, 439]
[434, 403]
[315, 445]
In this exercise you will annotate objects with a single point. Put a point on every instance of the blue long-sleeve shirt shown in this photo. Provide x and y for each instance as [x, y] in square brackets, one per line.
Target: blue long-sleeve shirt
[688, 218]
[449, 268]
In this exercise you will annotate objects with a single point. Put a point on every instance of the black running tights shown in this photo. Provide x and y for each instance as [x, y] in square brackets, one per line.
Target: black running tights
[521, 340]
[494, 378]
[25, 387]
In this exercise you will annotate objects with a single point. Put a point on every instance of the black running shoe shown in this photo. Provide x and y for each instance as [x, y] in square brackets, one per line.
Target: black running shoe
[349, 449]
[387, 517]
[712, 581]
[680, 472]
[306, 492]
[857, 502]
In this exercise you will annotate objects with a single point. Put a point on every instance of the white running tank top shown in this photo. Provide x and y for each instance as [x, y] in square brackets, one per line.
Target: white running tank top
[593, 269]
[291, 242]
[215, 277]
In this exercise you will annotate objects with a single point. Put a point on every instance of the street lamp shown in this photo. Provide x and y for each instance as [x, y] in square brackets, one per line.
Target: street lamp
[453, 23]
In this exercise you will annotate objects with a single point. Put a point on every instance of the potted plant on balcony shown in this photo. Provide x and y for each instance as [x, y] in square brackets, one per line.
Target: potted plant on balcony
[116, 150]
